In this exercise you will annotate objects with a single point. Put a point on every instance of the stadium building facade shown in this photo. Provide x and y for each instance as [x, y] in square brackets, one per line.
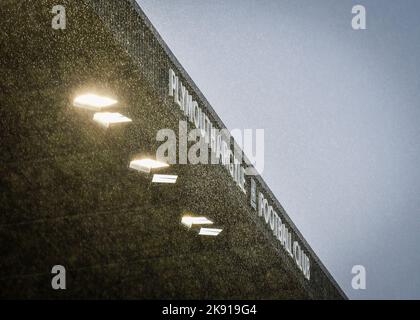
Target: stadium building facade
[74, 189]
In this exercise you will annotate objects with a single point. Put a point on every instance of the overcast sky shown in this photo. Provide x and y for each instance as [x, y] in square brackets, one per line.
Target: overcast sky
[341, 113]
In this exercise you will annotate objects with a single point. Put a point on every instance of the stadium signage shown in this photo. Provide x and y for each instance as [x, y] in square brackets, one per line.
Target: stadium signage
[280, 230]
[221, 148]
[214, 136]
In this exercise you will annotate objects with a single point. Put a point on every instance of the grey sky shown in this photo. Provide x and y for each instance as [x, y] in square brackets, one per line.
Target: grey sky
[341, 114]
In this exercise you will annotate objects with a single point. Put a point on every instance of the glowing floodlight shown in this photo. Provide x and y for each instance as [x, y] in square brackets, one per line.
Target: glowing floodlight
[164, 178]
[93, 102]
[189, 221]
[145, 165]
[209, 231]
[110, 118]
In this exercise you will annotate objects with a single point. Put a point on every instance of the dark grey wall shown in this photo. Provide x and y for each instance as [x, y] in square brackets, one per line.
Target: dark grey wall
[67, 196]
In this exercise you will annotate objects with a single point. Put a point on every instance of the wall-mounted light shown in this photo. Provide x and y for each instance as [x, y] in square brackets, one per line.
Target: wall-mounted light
[209, 232]
[108, 119]
[190, 221]
[93, 102]
[146, 165]
[164, 178]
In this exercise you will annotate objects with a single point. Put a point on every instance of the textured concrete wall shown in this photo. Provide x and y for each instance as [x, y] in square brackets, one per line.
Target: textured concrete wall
[68, 197]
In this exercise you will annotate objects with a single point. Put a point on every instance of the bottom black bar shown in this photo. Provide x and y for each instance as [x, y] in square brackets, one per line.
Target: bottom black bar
[210, 309]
